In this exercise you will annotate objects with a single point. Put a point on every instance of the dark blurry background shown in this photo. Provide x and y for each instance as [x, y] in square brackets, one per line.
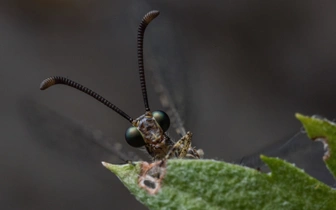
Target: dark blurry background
[241, 69]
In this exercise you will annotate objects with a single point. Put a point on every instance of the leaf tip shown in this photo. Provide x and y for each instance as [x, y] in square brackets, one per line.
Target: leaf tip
[264, 158]
[104, 164]
[110, 167]
[300, 116]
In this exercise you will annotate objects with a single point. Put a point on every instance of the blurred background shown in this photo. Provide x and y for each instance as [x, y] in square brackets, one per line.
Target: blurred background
[238, 71]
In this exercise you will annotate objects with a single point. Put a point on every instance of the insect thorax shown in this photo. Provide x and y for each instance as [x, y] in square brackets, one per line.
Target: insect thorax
[157, 142]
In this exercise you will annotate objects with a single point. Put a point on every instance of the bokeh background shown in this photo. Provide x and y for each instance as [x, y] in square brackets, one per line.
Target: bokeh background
[238, 70]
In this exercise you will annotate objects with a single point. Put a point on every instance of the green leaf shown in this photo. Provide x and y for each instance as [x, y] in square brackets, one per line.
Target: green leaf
[210, 184]
[325, 131]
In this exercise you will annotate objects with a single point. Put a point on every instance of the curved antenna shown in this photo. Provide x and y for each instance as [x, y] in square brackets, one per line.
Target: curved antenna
[141, 30]
[50, 81]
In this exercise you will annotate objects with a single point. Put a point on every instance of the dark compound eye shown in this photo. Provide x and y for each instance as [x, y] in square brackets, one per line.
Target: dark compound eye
[162, 119]
[134, 137]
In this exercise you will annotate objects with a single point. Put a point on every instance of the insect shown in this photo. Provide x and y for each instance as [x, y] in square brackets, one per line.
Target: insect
[148, 130]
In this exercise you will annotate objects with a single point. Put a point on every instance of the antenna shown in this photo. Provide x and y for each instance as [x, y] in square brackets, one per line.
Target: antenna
[141, 30]
[50, 81]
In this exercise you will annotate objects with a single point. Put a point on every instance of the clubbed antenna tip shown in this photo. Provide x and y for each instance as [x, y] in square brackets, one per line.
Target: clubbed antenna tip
[47, 83]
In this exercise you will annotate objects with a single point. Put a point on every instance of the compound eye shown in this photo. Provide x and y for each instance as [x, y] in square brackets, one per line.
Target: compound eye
[162, 119]
[134, 137]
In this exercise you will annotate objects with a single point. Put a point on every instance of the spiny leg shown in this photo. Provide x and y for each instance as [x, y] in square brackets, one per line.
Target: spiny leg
[181, 147]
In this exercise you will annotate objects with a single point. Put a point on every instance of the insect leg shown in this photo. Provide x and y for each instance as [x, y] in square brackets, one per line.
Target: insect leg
[181, 147]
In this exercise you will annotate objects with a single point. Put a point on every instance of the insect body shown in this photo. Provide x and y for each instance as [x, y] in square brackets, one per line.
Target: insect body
[149, 129]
